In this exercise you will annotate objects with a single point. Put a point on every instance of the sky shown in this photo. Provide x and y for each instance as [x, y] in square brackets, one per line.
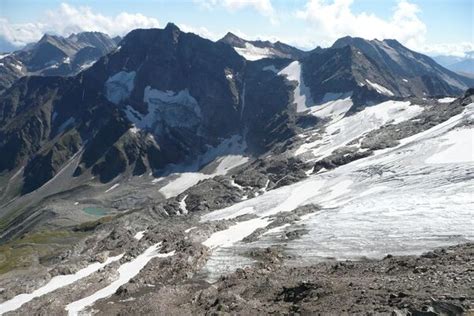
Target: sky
[435, 27]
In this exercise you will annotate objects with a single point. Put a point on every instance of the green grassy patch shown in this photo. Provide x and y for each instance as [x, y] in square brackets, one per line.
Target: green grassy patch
[30, 248]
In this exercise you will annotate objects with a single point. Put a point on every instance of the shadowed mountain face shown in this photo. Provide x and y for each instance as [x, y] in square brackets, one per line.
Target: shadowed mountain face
[55, 55]
[165, 97]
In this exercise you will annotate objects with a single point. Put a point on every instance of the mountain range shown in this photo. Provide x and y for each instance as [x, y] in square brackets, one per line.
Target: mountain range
[55, 56]
[235, 144]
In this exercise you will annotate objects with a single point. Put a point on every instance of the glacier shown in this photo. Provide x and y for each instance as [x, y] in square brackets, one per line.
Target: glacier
[395, 202]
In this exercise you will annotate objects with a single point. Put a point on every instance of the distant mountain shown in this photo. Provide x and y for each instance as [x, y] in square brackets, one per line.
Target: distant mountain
[462, 65]
[254, 50]
[394, 70]
[55, 55]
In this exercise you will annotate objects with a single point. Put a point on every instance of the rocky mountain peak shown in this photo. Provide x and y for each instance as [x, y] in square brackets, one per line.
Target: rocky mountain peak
[233, 40]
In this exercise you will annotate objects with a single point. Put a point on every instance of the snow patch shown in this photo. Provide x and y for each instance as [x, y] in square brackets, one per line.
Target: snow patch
[183, 206]
[176, 109]
[139, 235]
[379, 88]
[54, 284]
[112, 187]
[119, 86]
[126, 272]
[446, 100]
[252, 52]
[333, 109]
[343, 129]
[301, 93]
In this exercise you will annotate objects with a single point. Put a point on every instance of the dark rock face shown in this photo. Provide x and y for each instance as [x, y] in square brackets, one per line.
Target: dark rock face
[55, 56]
[340, 157]
[208, 103]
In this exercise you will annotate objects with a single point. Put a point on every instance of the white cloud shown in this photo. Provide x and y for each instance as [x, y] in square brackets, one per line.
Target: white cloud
[68, 19]
[333, 20]
[201, 31]
[264, 7]
[449, 49]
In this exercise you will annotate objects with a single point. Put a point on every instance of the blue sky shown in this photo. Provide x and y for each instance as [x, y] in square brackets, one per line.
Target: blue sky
[431, 26]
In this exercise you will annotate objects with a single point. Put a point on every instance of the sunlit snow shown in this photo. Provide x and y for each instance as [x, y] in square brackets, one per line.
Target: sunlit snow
[252, 52]
[301, 93]
[392, 202]
[379, 88]
[54, 284]
[126, 272]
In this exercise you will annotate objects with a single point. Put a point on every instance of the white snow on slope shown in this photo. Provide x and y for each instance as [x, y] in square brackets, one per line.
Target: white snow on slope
[302, 94]
[127, 271]
[186, 180]
[252, 52]
[54, 284]
[335, 109]
[217, 160]
[183, 206]
[342, 129]
[177, 109]
[379, 88]
[139, 235]
[119, 86]
[458, 147]
[112, 187]
[392, 202]
[446, 100]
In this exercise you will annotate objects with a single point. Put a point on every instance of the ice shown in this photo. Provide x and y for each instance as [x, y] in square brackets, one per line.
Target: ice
[234, 233]
[54, 284]
[343, 129]
[190, 229]
[392, 202]
[270, 68]
[446, 100]
[459, 147]
[112, 187]
[217, 161]
[333, 109]
[66, 124]
[134, 130]
[119, 86]
[251, 52]
[139, 235]
[126, 272]
[183, 206]
[18, 67]
[186, 180]
[379, 88]
[176, 109]
[302, 94]
[86, 65]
